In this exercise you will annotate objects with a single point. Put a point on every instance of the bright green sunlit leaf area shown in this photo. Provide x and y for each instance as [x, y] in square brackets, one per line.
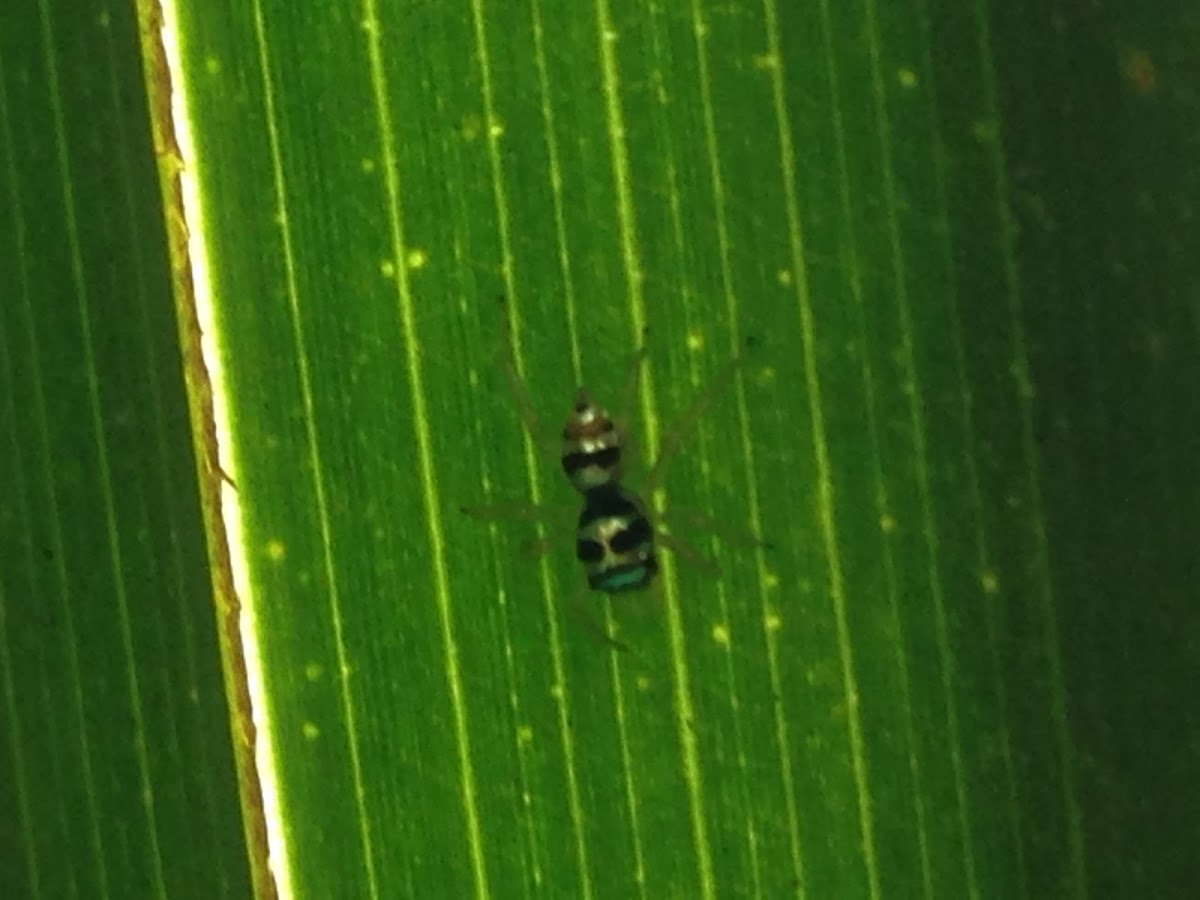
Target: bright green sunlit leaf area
[840, 713]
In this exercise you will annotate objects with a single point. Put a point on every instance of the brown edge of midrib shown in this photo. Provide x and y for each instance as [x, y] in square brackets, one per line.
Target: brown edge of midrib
[204, 435]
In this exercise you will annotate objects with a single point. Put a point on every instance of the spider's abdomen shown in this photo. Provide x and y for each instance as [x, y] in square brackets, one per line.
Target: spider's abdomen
[615, 541]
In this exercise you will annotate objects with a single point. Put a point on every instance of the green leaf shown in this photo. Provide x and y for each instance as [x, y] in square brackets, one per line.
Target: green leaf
[964, 239]
[886, 703]
[118, 775]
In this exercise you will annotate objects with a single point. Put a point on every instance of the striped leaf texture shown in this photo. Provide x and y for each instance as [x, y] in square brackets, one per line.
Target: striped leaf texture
[895, 305]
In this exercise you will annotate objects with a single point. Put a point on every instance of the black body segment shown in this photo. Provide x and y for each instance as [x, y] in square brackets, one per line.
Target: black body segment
[615, 540]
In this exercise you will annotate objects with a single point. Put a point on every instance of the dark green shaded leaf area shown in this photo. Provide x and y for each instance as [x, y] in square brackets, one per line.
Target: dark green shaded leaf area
[964, 237]
[117, 773]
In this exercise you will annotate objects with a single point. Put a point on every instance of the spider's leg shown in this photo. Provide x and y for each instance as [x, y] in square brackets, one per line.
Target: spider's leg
[542, 439]
[516, 511]
[687, 553]
[679, 430]
[589, 621]
[728, 531]
[539, 547]
[624, 413]
[632, 379]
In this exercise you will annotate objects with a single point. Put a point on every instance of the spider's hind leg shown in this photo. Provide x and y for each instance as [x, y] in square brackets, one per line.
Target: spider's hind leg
[686, 552]
[729, 532]
[590, 622]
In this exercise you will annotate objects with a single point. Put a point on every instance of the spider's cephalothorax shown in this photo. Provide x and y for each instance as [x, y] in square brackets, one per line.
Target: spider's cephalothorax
[615, 540]
[591, 454]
